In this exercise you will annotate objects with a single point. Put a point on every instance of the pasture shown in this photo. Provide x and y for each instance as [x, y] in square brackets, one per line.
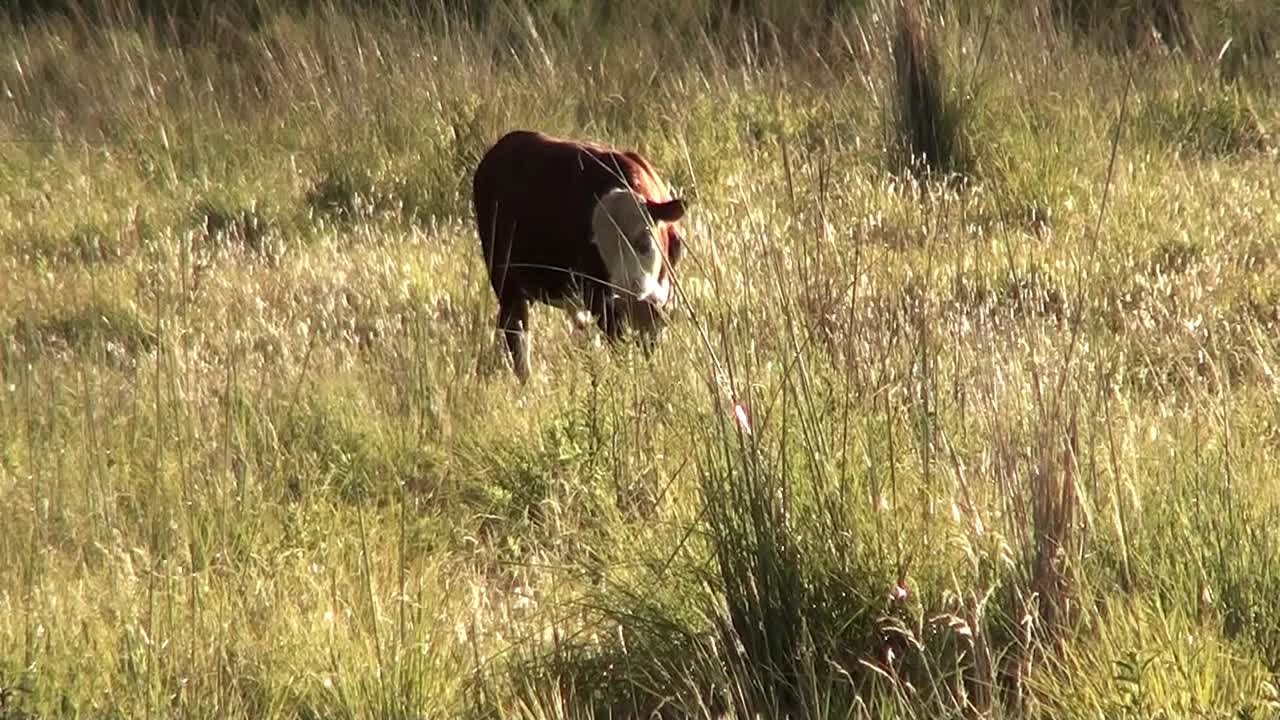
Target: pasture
[993, 434]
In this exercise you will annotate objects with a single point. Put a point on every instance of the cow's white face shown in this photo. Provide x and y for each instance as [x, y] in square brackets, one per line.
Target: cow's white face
[625, 233]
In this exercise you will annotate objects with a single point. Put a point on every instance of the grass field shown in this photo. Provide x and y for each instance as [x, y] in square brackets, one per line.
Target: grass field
[1013, 423]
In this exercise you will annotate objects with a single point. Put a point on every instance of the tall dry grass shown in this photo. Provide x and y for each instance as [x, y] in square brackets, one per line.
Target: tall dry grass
[913, 448]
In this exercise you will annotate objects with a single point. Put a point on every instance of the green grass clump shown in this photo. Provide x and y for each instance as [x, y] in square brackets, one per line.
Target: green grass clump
[1150, 660]
[1203, 123]
[931, 116]
[348, 195]
[115, 327]
[253, 228]
[1130, 25]
[85, 244]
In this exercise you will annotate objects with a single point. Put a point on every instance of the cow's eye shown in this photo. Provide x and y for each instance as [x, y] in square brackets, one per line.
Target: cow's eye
[642, 241]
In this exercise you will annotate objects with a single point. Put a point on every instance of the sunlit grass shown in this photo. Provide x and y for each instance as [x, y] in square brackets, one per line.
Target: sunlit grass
[911, 448]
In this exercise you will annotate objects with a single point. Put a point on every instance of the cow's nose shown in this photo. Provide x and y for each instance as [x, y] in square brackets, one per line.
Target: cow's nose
[653, 292]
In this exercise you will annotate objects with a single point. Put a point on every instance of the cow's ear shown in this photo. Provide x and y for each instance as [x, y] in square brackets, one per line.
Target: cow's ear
[675, 247]
[669, 211]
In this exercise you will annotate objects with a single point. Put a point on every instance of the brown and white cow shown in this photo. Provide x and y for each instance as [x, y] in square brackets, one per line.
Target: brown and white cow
[576, 225]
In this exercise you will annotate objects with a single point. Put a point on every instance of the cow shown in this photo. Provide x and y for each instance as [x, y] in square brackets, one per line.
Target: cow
[584, 227]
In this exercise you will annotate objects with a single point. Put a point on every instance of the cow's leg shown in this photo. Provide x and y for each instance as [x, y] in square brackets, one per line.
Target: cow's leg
[513, 321]
[607, 318]
[647, 322]
[648, 341]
